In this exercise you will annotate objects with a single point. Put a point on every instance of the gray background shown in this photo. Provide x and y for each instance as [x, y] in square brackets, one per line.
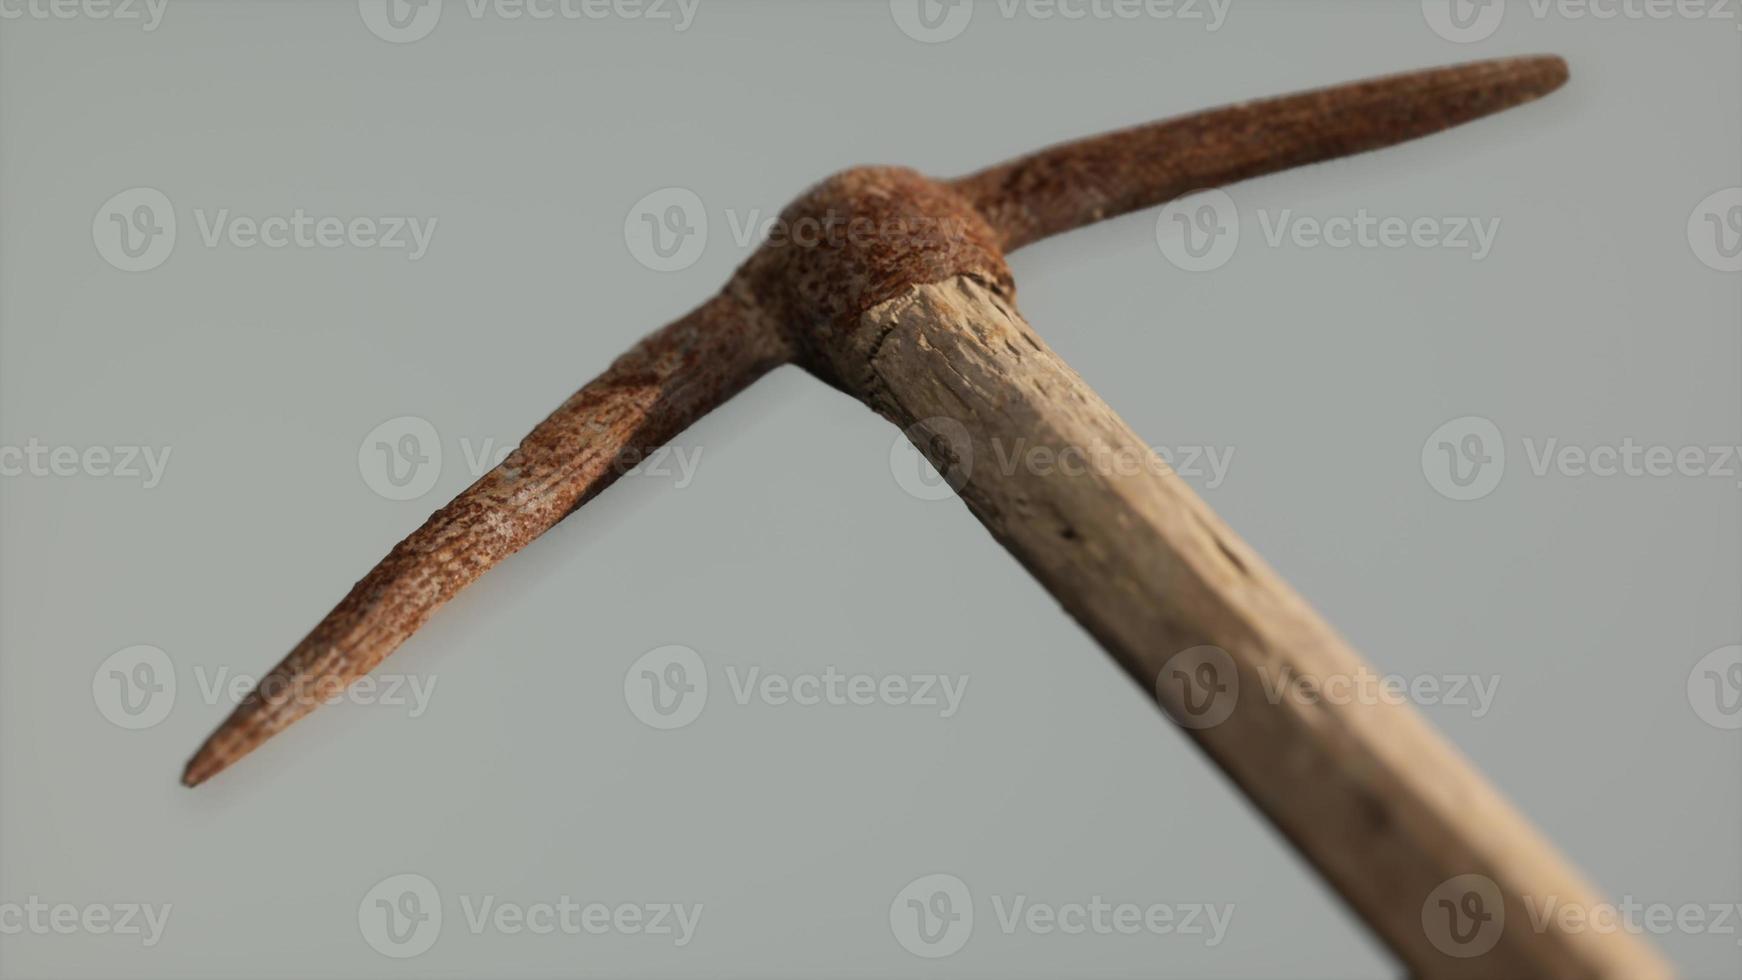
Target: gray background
[795, 547]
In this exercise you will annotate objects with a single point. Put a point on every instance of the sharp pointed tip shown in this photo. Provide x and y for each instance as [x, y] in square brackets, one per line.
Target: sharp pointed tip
[199, 769]
[216, 754]
[1551, 69]
[1526, 77]
[1457, 94]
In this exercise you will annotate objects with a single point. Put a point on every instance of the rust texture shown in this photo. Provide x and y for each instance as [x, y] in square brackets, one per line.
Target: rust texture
[857, 239]
[1066, 187]
[652, 393]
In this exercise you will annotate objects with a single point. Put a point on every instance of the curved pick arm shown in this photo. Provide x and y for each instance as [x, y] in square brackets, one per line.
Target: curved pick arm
[1074, 184]
[653, 392]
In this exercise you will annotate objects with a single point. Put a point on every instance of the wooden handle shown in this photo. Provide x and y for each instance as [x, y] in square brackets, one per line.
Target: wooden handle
[1445, 871]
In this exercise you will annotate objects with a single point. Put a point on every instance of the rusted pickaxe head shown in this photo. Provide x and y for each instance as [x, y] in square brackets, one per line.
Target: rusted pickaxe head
[878, 231]
[873, 232]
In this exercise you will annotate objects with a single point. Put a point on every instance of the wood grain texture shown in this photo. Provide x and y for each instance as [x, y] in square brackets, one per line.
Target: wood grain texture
[1387, 809]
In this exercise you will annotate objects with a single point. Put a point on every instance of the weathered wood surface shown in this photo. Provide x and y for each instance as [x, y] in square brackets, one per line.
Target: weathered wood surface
[1387, 809]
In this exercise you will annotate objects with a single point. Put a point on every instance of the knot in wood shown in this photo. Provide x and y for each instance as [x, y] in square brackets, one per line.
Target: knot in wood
[856, 240]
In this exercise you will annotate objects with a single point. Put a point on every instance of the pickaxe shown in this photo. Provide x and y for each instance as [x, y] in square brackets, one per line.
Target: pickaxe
[901, 298]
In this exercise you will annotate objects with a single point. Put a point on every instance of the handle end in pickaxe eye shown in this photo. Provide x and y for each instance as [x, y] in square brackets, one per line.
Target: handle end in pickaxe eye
[1079, 183]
